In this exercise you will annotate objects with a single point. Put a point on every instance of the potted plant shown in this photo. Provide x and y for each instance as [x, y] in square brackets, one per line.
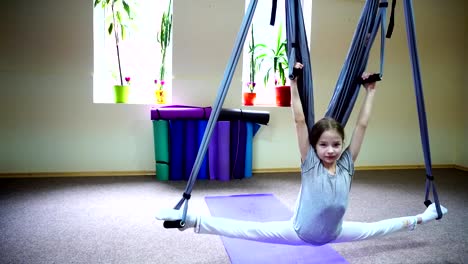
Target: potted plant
[119, 14]
[164, 39]
[249, 97]
[278, 64]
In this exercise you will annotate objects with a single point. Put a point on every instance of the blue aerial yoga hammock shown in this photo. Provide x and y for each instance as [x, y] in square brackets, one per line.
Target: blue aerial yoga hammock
[347, 87]
[222, 92]
[411, 35]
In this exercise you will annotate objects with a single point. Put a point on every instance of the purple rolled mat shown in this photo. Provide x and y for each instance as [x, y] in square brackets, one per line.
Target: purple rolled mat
[262, 208]
[213, 155]
[224, 147]
[180, 112]
[218, 152]
[238, 142]
[172, 112]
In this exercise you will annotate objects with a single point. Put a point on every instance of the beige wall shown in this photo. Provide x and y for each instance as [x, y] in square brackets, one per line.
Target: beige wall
[49, 123]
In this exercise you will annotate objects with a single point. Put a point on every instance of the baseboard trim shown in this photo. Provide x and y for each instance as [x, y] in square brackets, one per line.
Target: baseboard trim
[387, 167]
[153, 173]
[406, 167]
[458, 167]
[76, 174]
[276, 170]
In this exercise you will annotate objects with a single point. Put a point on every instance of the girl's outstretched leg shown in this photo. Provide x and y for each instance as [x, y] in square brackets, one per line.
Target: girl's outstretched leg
[355, 231]
[278, 232]
[430, 214]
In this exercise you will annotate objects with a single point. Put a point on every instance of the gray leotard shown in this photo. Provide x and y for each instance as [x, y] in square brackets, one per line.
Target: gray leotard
[323, 198]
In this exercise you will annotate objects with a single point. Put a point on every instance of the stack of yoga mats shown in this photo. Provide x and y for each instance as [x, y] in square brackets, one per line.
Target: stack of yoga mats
[178, 132]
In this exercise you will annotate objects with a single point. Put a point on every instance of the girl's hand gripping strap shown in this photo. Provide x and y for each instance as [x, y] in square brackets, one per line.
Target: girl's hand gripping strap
[179, 223]
[372, 78]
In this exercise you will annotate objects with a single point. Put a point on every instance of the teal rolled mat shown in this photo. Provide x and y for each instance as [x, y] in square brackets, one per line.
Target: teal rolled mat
[252, 129]
[248, 150]
[161, 148]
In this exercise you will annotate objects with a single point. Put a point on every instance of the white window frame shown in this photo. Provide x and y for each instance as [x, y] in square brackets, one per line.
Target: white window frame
[265, 33]
[140, 55]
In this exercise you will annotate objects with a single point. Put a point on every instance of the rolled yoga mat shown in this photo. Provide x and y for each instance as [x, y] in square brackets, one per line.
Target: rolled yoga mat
[191, 146]
[218, 152]
[161, 148]
[172, 112]
[184, 158]
[177, 150]
[194, 112]
[248, 149]
[262, 208]
[260, 117]
[238, 149]
[251, 130]
[203, 174]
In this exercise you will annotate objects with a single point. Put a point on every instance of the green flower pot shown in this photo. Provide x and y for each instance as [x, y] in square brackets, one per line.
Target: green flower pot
[121, 93]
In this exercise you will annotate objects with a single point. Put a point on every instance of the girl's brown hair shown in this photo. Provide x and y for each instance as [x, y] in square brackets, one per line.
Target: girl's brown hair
[323, 125]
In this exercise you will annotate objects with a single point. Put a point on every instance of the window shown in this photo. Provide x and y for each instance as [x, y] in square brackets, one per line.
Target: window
[267, 36]
[139, 52]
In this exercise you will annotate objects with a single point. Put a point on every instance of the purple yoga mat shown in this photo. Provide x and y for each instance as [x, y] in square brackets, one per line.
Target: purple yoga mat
[265, 207]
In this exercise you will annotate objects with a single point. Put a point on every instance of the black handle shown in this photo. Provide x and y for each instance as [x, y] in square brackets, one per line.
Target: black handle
[295, 73]
[372, 78]
[427, 203]
[174, 224]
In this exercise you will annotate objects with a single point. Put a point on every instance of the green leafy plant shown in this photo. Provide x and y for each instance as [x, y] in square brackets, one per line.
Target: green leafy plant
[164, 39]
[276, 57]
[253, 61]
[119, 15]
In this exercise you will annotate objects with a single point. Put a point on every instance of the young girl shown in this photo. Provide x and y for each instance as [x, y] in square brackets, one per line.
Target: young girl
[326, 173]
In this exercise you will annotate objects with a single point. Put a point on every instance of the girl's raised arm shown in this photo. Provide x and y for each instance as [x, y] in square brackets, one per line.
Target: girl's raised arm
[363, 119]
[302, 132]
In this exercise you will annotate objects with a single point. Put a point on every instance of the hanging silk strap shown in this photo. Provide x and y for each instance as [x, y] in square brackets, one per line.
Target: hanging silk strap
[349, 82]
[382, 17]
[222, 92]
[298, 51]
[274, 4]
[391, 24]
[411, 36]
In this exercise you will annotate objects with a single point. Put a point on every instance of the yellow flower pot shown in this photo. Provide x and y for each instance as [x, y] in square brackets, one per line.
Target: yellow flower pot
[160, 96]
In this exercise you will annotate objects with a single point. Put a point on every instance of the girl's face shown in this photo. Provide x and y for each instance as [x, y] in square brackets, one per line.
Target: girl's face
[329, 147]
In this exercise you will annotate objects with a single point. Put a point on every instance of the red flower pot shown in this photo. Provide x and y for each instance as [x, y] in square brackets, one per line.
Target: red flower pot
[249, 98]
[283, 95]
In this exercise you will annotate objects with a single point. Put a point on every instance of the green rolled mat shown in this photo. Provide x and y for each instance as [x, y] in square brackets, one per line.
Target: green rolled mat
[161, 148]
[162, 172]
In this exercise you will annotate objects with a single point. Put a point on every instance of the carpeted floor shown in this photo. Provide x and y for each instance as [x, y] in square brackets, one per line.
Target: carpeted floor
[111, 219]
